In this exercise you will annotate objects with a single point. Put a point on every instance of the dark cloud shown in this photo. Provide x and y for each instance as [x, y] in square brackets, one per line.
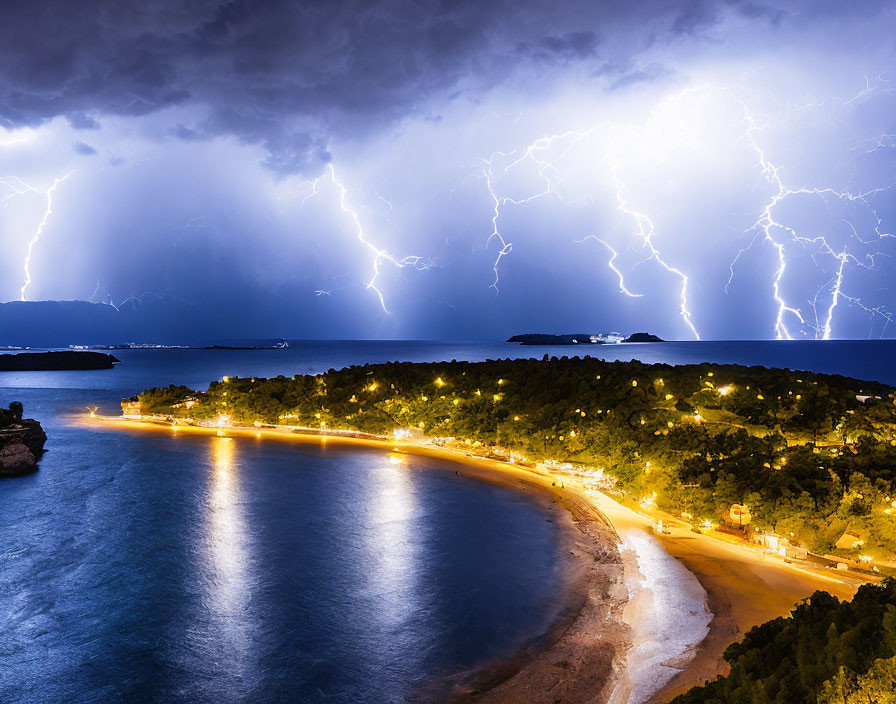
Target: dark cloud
[343, 68]
[83, 148]
[565, 48]
[82, 121]
[187, 134]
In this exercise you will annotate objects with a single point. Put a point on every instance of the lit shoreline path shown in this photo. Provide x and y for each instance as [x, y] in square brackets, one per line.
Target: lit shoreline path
[670, 578]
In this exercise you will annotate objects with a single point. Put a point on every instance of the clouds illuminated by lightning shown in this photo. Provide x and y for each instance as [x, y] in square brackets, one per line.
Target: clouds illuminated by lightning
[608, 142]
[778, 234]
[646, 231]
[620, 156]
[663, 201]
[18, 187]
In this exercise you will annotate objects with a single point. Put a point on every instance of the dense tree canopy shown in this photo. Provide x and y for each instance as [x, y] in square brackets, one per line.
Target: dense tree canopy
[826, 651]
[812, 455]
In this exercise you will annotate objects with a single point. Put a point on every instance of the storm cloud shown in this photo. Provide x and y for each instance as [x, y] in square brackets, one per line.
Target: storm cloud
[453, 169]
[293, 76]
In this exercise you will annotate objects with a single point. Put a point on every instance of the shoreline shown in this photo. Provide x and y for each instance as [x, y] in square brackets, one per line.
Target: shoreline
[581, 654]
[582, 657]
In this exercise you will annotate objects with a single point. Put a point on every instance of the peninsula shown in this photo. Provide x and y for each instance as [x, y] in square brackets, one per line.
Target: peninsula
[69, 360]
[755, 479]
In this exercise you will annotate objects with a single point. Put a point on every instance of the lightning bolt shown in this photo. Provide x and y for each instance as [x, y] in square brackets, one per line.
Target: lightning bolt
[549, 172]
[379, 256]
[18, 187]
[96, 291]
[133, 300]
[546, 155]
[612, 264]
[777, 234]
[645, 232]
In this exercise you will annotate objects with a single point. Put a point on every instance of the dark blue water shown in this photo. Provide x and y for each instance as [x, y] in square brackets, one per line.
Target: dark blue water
[156, 567]
[864, 359]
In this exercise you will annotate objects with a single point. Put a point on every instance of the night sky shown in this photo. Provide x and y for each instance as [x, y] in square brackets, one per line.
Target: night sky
[453, 170]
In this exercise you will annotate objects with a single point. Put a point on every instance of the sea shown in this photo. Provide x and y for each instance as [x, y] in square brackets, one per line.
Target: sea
[156, 567]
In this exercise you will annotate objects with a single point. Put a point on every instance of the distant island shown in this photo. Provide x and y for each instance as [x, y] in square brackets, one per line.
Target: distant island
[643, 337]
[282, 345]
[584, 338]
[56, 361]
[21, 442]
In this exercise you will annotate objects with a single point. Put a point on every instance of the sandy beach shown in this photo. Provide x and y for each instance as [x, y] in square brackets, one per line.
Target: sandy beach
[644, 616]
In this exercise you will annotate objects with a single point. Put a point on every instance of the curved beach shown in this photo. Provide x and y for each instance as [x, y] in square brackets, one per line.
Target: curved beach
[645, 616]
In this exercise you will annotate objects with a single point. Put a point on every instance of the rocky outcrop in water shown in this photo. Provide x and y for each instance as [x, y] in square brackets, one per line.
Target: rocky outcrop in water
[21, 442]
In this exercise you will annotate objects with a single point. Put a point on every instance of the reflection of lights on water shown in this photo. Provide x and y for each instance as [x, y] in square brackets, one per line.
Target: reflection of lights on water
[391, 545]
[227, 545]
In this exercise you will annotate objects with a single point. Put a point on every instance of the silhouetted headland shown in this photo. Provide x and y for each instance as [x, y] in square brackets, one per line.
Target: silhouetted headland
[56, 361]
[643, 337]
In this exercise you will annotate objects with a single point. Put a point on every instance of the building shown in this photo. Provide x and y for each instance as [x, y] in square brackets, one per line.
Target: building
[739, 514]
[849, 541]
[130, 407]
[779, 545]
[410, 434]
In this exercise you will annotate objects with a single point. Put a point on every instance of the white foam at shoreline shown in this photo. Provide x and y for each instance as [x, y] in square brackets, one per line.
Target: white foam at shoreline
[667, 612]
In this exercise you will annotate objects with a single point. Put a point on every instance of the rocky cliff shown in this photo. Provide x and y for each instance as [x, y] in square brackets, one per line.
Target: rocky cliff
[21, 442]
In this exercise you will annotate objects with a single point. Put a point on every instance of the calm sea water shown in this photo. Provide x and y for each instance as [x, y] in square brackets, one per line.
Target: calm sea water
[157, 567]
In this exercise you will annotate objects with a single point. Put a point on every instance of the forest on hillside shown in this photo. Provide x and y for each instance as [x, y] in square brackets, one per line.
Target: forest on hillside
[812, 455]
[827, 652]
